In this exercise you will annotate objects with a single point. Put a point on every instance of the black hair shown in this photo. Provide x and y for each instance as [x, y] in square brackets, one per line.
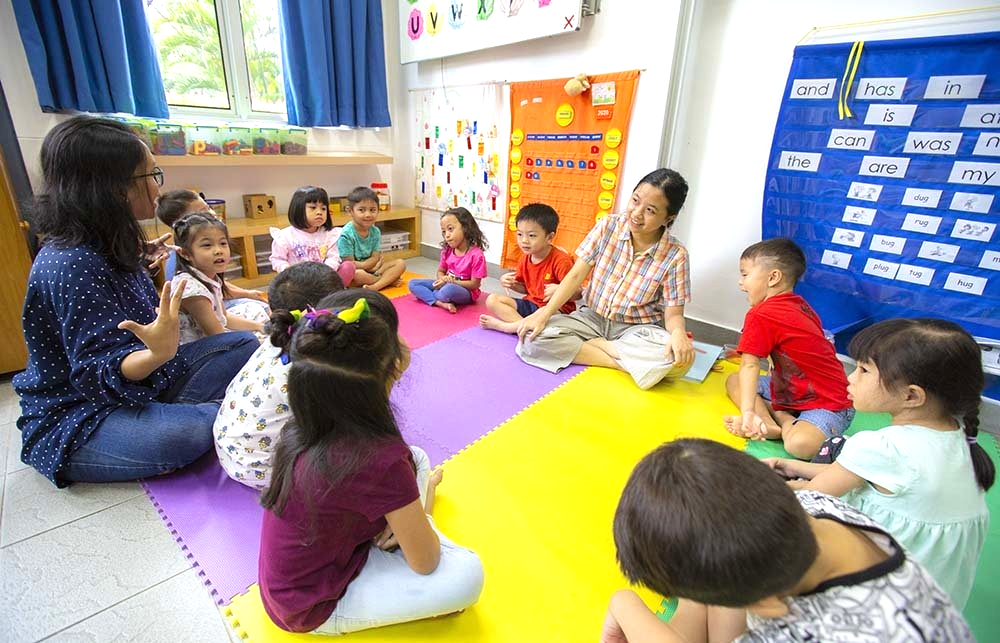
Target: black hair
[470, 229]
[298, 287]
[185, 230]
[302, 197]
[338, 389]
[702, 521]
[938, 356]
[542, 214]
[674, 189]
[359, 194]
[89, 165]
[781, 253]
[174, 204]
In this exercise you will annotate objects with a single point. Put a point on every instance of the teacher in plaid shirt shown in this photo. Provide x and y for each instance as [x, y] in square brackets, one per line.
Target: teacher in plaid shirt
[633, 313]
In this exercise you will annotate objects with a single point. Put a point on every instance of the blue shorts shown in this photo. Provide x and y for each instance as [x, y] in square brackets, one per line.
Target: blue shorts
[831, 423]
[525, 307]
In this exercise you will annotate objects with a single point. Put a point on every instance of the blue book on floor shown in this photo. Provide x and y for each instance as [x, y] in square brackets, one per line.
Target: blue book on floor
[704, 358]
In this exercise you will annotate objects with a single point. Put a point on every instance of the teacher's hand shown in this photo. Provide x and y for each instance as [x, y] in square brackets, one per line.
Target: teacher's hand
[681, 348]
[162, 335]
[533, 325]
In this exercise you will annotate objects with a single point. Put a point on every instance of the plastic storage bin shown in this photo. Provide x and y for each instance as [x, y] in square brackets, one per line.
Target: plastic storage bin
[237, 140]
[202, 140]
[266, 140]
[393, 239]
[294, 141]
[168, 139]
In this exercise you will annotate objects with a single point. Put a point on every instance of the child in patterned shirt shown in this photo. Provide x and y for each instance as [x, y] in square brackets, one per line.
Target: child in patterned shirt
[256, 403]
[778, 566]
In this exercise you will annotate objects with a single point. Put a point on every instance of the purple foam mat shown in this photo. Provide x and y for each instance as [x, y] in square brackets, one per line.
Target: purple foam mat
[455, 391]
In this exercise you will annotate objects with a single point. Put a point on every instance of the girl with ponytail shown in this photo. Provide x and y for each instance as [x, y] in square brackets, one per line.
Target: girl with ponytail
[346, 542]
[925, 477]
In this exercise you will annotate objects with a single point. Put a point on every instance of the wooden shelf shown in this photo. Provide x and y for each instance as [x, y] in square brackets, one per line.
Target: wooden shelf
[266, 160]
[243, 230]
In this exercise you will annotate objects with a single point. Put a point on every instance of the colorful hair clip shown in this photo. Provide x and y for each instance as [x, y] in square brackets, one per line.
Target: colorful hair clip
[356, 312]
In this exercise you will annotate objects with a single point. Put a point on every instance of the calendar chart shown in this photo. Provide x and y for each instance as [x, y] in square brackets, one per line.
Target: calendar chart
[885, 169]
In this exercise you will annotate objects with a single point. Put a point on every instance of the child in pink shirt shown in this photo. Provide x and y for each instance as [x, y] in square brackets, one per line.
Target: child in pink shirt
[462, 267]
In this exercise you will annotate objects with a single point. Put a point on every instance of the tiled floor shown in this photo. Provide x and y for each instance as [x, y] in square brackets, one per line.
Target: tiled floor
[94, 562]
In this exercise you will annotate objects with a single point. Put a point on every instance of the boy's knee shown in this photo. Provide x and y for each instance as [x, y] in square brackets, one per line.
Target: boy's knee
[803, 440]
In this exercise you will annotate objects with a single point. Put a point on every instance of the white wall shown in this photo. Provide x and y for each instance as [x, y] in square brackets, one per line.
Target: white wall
[627, 34]
[735, 76]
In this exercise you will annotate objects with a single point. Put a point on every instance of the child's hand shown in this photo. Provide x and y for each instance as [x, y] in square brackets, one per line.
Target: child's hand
[386, 541]
[162, 335]
[550, 289]
[748, 425]
[507, 279]
[438, 283]
[157, 250]
[781, 466]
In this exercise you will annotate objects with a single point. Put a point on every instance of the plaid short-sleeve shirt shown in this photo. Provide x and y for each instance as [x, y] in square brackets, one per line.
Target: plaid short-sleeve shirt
[633, 288]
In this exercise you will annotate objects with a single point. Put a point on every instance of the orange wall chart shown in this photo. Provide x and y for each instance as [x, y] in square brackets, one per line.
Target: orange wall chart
[567, 152]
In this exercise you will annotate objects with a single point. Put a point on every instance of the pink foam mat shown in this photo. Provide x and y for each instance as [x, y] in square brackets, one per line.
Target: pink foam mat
[455, 391]
[421, 324]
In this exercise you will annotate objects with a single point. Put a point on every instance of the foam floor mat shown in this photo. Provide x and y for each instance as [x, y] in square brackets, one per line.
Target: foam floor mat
[535, 498]
[441, 408]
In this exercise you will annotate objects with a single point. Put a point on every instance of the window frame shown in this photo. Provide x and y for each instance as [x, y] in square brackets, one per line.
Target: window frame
[229, 21]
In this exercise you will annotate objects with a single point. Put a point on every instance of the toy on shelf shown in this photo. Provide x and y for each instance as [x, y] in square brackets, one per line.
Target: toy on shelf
[218, 207]
[141, 127]
[294, 141]
[202, 140]
[382, 192]
[169, 139]
[237, 140]
[266, 140]
[259, 206]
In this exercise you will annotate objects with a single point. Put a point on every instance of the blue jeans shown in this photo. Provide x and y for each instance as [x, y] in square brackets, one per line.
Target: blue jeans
[161, 436]
[451, 293]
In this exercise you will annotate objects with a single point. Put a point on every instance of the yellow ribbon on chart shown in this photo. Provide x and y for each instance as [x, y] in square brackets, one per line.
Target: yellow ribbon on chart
[843, 109]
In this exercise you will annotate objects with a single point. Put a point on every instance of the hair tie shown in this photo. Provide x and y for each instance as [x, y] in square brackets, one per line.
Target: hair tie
[971, 439]
[355, 313]
[352, 315]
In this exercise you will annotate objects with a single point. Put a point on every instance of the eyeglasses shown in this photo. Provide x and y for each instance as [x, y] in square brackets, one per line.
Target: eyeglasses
[157, 175]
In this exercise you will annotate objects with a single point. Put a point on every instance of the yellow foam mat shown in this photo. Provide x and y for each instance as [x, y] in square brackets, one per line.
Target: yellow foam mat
[535, 498]
[398, 291]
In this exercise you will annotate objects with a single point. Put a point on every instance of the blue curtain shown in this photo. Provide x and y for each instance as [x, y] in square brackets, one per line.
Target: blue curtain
[92, 56]
[334, 63]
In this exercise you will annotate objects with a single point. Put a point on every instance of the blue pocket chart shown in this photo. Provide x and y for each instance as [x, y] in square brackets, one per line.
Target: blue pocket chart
[885, 169]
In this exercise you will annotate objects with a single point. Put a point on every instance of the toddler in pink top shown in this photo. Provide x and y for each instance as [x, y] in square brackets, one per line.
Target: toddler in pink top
[462, 267]
[311, 235]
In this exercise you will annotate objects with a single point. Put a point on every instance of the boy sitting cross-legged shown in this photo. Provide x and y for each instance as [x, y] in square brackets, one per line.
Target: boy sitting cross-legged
[539, 272]
[804, 401]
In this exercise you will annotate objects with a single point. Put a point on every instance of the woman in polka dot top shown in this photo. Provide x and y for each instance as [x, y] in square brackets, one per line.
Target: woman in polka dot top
[107, 395]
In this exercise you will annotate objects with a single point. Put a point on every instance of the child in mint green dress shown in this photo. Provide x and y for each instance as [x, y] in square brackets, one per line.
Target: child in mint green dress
[925, 477]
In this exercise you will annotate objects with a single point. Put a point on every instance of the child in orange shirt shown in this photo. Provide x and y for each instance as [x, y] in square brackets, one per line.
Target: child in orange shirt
[539, 272]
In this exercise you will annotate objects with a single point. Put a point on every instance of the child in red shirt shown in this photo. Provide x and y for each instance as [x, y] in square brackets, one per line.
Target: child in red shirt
[804, 402]
[539, 272]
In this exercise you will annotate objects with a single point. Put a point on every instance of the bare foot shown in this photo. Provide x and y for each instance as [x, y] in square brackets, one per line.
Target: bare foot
[490, 322]
[398, 283]
[730, 423]
[447, 305]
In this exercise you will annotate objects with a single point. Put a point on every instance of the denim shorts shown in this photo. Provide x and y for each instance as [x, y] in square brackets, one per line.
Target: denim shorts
[831, 423]
[525, 307]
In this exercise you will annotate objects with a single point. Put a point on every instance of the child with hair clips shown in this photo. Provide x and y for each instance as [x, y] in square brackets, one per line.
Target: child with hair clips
[176, 204]
[925, 477]
[632, 315]
[777, 565]
[361, 242]
[311, 237]
[462, 267]
[346, 490]
[256, 403]
[202, 257]
[804, 401]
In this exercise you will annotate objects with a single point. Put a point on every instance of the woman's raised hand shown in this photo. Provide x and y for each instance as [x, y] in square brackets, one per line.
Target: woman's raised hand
[162, 335]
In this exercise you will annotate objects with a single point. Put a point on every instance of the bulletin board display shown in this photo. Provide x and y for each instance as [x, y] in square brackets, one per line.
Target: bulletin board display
[885, 169]
[460, 150]
[567, 152]
[439, 28]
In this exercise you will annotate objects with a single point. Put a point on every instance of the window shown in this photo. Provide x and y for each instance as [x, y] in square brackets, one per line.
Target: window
[219, 57]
